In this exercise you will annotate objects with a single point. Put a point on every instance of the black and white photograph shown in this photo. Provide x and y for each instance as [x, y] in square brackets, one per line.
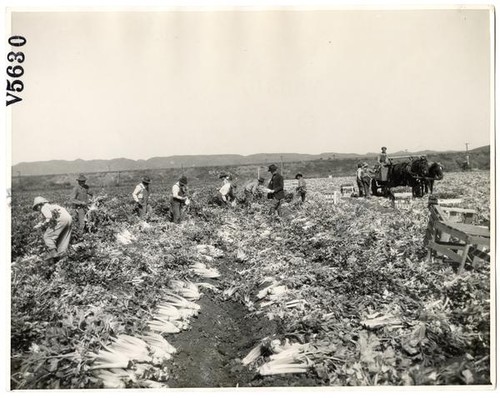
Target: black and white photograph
[250, 198]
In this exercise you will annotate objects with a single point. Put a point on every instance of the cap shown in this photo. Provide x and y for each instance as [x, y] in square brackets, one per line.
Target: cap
[384, 148]
[183, 180]
[81, 177]
[146, 180]
[272, 168]
[298, 175]
[360, 164]
[39, 200]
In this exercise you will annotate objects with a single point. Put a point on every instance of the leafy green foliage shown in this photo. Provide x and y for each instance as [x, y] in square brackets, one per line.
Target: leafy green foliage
[358, 263]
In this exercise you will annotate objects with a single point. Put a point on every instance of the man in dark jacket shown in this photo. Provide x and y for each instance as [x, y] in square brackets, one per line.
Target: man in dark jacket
[80, 198]
[276, 192]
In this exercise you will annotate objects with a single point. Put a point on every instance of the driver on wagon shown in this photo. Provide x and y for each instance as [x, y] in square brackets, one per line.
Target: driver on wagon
[383, 161]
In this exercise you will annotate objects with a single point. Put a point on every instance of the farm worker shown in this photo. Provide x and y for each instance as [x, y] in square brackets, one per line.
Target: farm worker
[57, 222]
[359, 179]
[179, 199]
[253, 189]
[366, 180]
[227, 190]
[276, 192]
[80, 198]
[383, 161]
[141, 197]
[301, 187]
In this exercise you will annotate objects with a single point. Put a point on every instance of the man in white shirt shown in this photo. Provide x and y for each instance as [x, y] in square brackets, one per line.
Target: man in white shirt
[57, 222]
[179, 199]
[141, 197]
[225, 191]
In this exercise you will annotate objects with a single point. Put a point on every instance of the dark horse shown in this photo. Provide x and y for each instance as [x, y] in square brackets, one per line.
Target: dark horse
[435, 173]
[411, 174]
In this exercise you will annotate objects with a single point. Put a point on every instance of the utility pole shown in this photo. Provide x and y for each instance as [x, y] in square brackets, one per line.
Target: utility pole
[282, 172]
[467, 158]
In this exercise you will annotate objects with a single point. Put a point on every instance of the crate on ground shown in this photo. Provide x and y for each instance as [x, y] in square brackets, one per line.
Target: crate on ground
[403, 200]
[347, 190]
[459, 242]
[457, 214]
[332, 197]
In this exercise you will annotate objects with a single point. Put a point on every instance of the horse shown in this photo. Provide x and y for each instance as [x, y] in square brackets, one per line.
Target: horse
[435, 173]
[410, 174]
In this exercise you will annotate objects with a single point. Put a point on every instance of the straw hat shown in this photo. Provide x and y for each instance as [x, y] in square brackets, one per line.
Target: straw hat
[39, 200]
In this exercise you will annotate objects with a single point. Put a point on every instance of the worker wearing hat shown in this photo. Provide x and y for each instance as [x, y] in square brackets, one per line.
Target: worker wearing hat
[276, 190]
[301, 186]
[253, 190]
[141, 197]
[57, 224]
[179, 199]
[366, 180]
[383, 164]
[80, 198]
[359, 179]
[226, 192]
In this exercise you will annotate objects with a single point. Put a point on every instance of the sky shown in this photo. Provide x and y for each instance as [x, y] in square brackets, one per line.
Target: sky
[102, 85]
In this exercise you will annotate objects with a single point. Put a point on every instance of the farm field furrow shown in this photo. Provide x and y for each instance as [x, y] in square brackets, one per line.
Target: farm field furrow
[342, 291]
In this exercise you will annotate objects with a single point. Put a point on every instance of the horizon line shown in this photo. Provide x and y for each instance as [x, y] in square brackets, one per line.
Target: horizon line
[236, 154]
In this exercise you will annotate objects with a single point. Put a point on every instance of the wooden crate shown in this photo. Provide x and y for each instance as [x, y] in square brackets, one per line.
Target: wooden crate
[347, 190]
[449, 202]
[456, 214]
[403, 200]
[456, 241]
[332, 197]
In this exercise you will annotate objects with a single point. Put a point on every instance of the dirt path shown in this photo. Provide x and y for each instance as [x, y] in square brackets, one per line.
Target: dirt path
[207, 353]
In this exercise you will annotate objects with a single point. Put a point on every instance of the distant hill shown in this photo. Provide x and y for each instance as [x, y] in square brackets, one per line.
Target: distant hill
[162, 178]
[52, 167]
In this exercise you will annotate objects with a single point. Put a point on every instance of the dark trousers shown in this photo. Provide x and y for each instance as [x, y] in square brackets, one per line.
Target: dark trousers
[176, 211]
[80, 215]
[275, 206]
[303, 196]
[360, 187]
[140, 209]
[366, 186]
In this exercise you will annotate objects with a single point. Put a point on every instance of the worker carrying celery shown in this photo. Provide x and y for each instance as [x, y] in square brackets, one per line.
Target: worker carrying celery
[57, 224]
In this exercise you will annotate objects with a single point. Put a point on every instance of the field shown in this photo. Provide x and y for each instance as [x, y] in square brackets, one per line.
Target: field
[329, 295]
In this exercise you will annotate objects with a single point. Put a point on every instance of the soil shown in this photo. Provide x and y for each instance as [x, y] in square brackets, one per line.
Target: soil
[209, 353]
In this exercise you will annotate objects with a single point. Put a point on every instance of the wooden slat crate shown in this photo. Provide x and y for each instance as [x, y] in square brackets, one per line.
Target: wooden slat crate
[347, 190]
[403, 200]
[456, 241]
[333, 196]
